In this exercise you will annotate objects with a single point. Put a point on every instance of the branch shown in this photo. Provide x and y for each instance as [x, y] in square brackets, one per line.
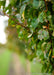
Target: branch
[17, 23]
[46, 11]
[46, 6]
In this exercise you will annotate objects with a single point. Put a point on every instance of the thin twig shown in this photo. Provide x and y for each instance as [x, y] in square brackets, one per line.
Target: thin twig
[17, 23]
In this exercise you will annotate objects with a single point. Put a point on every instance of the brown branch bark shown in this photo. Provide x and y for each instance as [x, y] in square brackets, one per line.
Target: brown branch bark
[46, 6]
[17, 23]
[45, 12]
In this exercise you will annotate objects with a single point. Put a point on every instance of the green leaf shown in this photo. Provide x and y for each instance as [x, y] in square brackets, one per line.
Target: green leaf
[20, 34]
[41, 17]
[34, 23]
[12, 2]
[46, 46]
[40, 54]
[36, 4]
[22, 9]
[43, 34]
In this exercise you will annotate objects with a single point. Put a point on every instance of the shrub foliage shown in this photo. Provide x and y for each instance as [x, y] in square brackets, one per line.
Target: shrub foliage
[34, 21]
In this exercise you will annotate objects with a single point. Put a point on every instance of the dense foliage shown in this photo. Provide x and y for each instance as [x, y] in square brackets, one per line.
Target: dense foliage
[34, 21]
